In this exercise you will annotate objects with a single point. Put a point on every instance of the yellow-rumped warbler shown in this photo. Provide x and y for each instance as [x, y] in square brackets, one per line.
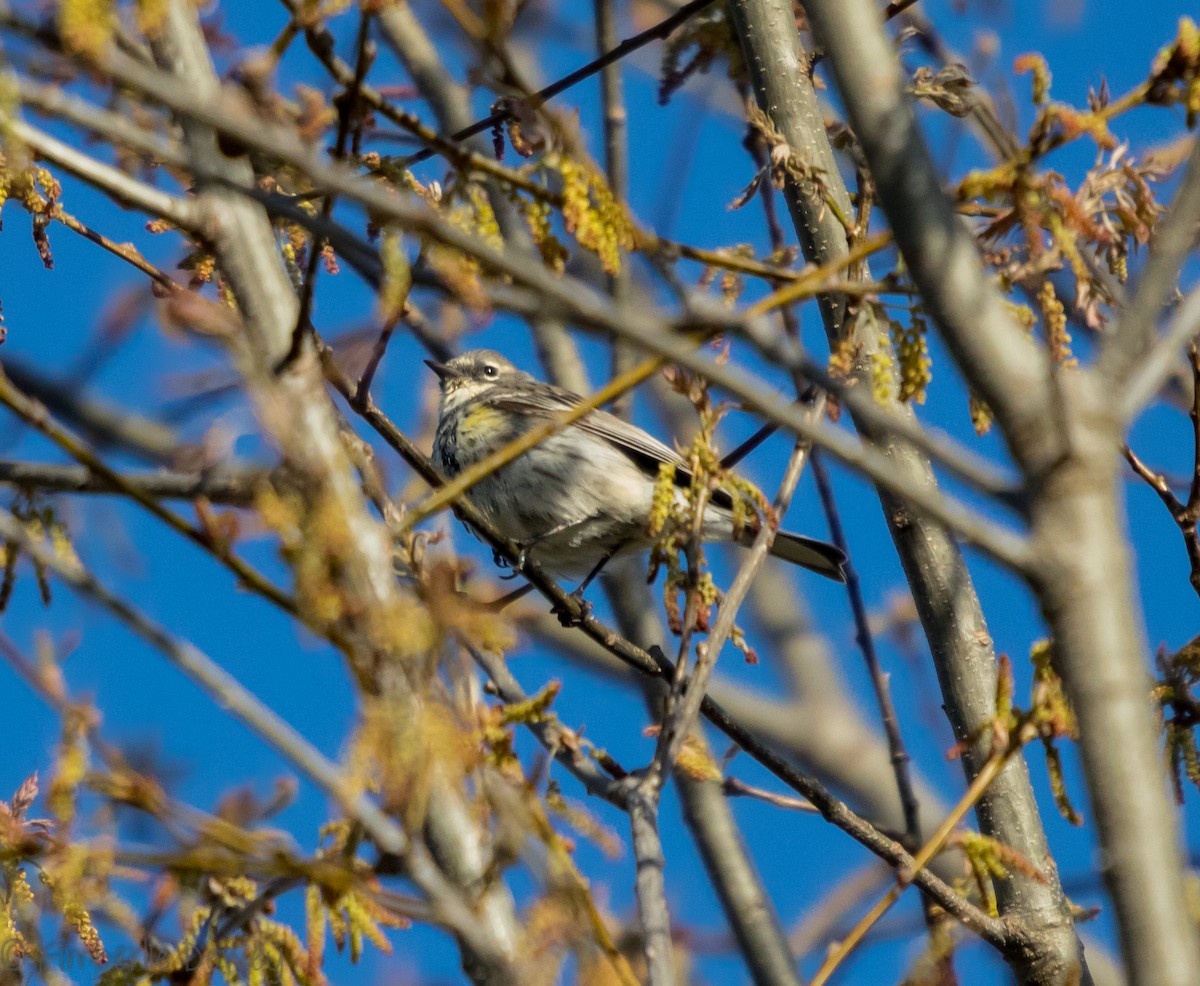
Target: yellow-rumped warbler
[582, 495]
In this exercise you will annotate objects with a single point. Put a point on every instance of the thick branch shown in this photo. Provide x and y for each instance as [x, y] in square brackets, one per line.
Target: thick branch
[1086, 591]
[1084, 580]
[297, 412]
[998, 358]
[942, 587]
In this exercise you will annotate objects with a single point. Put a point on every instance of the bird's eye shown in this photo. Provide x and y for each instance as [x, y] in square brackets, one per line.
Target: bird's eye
[490, 370]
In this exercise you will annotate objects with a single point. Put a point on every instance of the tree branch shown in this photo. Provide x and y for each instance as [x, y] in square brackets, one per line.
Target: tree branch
[1083, 578]
[232, 488]
[866, 643]
[1146, 378]
[999, 359]
[651, 887]
[298, 414]
[946, 600]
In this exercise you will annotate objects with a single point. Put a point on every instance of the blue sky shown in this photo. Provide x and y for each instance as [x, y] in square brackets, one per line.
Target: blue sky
[53, 317]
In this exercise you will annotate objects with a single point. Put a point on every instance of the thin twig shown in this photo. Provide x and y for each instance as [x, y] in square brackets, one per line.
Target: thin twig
[979, 785]
[559, 741]
[866, 643]
[1160, 361]
[377, 352]
[733, 787]
[819, 926]
[1185, 514]
[627, 47]
[616, 167]
[681, 715]
[105, 425]
[120, 186]
[347, 112]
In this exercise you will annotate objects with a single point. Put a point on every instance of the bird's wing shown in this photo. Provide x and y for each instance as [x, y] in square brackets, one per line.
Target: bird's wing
[644, 449]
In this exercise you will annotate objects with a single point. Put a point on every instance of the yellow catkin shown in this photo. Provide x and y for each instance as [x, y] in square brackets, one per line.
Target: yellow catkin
[662, 502]
[912, 353]
[881, 376]
[590, 212]
[87, 25]
[537, 215]
[152, 16]
[1054, 315]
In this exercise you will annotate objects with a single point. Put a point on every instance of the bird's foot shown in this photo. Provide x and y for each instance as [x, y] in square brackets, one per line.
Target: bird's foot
[573, 615]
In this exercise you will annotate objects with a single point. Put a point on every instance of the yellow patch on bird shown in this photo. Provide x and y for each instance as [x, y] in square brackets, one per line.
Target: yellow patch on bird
[482, 417]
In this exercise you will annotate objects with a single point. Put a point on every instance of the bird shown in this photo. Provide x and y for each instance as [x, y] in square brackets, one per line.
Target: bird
[583, 495]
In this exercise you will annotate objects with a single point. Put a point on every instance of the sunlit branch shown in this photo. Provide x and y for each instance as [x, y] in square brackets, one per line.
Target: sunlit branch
[227, 487]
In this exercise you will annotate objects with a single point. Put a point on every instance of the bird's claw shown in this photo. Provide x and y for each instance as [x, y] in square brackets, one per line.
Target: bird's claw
[573, 616]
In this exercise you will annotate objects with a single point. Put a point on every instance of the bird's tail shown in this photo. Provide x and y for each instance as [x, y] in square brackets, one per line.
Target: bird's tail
[816, 556]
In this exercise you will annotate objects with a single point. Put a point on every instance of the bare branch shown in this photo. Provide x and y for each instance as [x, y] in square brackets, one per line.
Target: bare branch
[866, 643]
[651, 887]
[616, 166]
[1083, 580]
[124, 189]
[102, 423]
[709, 816]
[979, 785]
[748, 908]
[39, 418]
[234, 488]
[562, 743]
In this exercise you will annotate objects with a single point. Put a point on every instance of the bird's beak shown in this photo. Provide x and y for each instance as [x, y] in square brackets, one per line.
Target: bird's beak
[443, 371]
